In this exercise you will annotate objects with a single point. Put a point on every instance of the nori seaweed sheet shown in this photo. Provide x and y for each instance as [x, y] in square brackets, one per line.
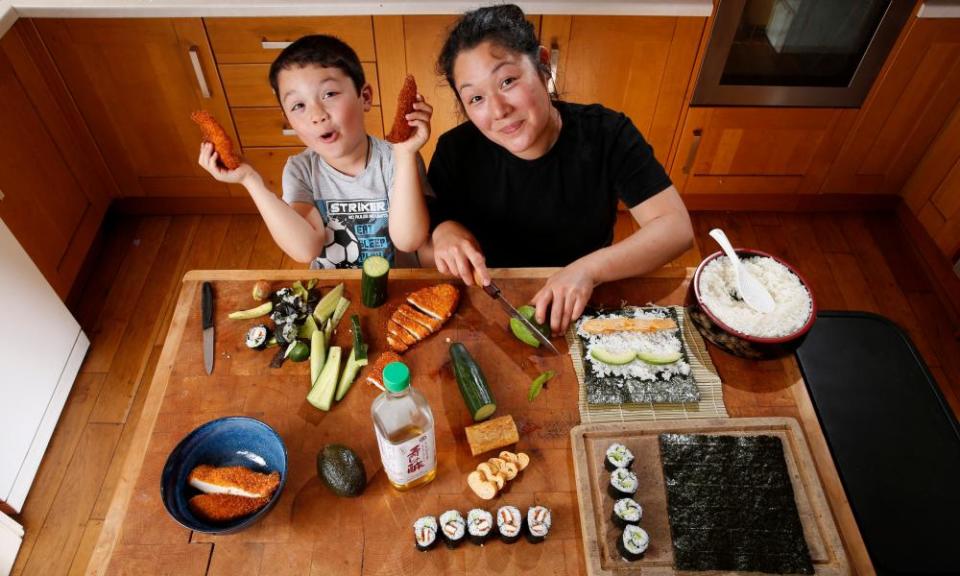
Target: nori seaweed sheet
[731, 505]
[621, 390]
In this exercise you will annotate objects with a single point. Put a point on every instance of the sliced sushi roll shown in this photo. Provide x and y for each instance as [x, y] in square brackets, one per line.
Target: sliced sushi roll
[623, 483]
[257, 337]
[618, 456]
[626, 511]
[538, 523]
[633, 543]
[453, 528]
[509, 523]
[479, 525]
[425, 533]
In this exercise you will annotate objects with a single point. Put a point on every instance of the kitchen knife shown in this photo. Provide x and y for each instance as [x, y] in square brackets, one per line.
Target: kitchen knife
[494, 292]
[207, 309]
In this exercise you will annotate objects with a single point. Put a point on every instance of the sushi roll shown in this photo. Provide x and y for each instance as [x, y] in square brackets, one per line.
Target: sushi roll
[538, 523]
[633, 543]
[425, 533]
[626, 511]
[257, 337]
[618, 456]
[509, 523]
[479, 525]
[453, 528]
[623, 483]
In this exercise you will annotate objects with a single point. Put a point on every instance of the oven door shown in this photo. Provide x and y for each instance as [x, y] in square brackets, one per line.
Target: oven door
[798, 52]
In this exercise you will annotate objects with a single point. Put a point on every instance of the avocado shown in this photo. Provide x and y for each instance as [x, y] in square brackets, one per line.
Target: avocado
[615, 358]
[341, 470]
[653, 358]
[521, 332]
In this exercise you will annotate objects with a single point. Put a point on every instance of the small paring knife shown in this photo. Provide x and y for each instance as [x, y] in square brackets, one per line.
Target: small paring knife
[494, 292]
[207, 310]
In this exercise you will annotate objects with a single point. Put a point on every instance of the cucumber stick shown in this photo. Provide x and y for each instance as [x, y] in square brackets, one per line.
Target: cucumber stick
[338, 313]
[318, 356]
[328, 304]
[373, 281]
[321, 395]
[349, 374]
[309, 327]
[473, 385]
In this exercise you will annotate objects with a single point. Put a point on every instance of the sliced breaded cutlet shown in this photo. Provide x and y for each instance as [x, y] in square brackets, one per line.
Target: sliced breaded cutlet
[225, 507]
[439, 301]
[399, 332]
[396, 344]
[233, 480]
[429, 322]
[413, 327]
[375, 371]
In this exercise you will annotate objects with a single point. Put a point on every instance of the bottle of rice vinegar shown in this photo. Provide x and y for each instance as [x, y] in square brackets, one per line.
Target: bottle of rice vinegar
[403, 423]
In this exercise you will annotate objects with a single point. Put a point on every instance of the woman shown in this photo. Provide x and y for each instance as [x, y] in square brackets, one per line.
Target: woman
[530, 181]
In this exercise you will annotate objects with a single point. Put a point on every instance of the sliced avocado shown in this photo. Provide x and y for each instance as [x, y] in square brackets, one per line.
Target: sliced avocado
[341, 470]
[615, 358]
[521, 332]
[654, 358]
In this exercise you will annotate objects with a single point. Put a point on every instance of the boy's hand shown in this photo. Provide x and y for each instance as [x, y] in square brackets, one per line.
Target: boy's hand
[419, 119]
[239, 175]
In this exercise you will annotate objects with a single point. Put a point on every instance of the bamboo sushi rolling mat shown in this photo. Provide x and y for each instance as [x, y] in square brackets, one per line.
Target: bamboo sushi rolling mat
[704, 374]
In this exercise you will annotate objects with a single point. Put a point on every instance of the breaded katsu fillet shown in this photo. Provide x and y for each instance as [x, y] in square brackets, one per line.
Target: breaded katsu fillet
[401, 130]
[423, 314]
[375, 372]
[225, 507]
[607, 325]
[214, 133]
[233, 480]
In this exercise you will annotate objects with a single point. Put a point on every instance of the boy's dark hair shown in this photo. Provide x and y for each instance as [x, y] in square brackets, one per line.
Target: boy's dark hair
[318, 50]
[503, 25]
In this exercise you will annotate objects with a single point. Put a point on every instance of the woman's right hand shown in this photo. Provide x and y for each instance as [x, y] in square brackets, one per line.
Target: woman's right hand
[208, 160]
[456, 252]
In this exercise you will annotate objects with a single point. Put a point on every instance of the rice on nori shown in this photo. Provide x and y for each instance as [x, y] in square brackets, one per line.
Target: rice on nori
[626, 511]
[623, 483]
[618, 456]
[509, 523]
[479, 525]
[633, 543]
[453, 528]
[425, 533]
[538, 523]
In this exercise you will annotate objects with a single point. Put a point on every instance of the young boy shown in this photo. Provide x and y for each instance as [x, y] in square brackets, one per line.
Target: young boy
[349, 195]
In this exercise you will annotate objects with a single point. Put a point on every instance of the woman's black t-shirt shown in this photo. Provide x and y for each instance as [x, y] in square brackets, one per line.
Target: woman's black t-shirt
[551, 210]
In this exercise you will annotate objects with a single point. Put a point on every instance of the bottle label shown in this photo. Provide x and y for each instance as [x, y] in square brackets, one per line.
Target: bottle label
[409, 460]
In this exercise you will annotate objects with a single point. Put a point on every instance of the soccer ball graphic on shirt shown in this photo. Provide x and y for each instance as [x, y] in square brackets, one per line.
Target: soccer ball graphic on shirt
[341, 248]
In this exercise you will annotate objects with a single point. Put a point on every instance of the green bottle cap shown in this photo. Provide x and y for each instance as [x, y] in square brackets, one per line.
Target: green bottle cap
[396, 377]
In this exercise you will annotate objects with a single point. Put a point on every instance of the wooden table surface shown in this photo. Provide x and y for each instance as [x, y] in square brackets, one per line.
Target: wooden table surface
[311, 531]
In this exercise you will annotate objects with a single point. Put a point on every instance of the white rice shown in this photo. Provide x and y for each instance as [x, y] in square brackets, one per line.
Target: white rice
[659, 342]
[793, 304]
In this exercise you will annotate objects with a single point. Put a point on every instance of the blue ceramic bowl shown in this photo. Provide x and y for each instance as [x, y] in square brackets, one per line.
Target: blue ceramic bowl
[231, 441]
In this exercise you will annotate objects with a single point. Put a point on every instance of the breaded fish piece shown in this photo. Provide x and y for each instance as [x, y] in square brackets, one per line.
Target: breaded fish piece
[375, 372]
[418, 330]
[225, 507]
[398, 332]
[429, 322]
[402, 130]
[396, 344]
[609, 325]
[214, 133]
[233, 480]
[439, 301]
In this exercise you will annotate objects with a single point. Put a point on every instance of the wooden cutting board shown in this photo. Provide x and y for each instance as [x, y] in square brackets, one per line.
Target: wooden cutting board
[590, 442]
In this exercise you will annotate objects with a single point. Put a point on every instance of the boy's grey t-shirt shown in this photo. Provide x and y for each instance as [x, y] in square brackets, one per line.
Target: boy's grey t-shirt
[354, 208]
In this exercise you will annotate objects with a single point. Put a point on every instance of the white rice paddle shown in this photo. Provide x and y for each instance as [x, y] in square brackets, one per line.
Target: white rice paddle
[750, 289]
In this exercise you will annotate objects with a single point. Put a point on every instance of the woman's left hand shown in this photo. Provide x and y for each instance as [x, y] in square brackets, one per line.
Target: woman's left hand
[565, 295]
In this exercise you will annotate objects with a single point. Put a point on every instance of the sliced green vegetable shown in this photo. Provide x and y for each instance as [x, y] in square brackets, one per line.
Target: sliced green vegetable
[299, 290]
[261, 310]
[614, 358]
[318, 355]
[309, 327]
[359, 348]
[473, 385]
[328, 304]
[537, 385]
[321, 395]
[349, 374]
[373, 281]
[311, 283]
[654, 358]
[521, 331]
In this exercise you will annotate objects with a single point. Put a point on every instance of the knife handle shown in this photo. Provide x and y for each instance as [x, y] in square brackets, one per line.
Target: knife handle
[490, 289]
[207, 305]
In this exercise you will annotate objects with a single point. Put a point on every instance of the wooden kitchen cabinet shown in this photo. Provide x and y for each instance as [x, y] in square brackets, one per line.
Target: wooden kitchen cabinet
[757, 150]
[136, 81]
[54, 184]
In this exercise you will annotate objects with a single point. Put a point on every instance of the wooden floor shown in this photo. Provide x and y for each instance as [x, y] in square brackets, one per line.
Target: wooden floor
[856, 262]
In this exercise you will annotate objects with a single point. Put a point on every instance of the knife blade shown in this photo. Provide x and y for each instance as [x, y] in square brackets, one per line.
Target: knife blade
[207, 310]
[494, 292]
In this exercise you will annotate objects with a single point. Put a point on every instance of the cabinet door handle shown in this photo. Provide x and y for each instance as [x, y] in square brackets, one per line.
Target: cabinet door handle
[554, 68]
[692, 155]
[198, 70]
[288, 132]
[268, 45]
